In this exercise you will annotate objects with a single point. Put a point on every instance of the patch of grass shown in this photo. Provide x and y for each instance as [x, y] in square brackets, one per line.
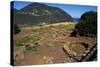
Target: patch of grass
[23, 40]
[18, 43]
[31, 46]
[35, 38]
[26, 38]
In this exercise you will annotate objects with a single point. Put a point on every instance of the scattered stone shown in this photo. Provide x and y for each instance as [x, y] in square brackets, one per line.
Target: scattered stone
[19, 54]
[51, 45]
[48, 60]
[68, 60]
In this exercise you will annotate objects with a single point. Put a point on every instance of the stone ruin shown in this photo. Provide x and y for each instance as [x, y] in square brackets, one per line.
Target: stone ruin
[80, 52]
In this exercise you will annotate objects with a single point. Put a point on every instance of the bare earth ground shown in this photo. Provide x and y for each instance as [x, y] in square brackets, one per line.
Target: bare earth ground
[49, 41]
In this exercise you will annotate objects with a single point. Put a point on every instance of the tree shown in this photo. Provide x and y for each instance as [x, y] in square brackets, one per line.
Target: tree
[87, 24]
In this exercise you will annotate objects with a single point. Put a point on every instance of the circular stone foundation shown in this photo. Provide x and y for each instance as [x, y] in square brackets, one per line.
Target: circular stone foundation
[74, 49]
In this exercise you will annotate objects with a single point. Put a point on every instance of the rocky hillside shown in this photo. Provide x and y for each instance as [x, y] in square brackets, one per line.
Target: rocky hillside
[36, 13]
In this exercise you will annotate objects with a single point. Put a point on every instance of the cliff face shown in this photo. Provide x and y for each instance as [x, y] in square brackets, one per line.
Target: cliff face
[36, 13]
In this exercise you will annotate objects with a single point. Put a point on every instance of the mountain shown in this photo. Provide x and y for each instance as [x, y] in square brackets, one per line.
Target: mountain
[76, 19]
[37, 13]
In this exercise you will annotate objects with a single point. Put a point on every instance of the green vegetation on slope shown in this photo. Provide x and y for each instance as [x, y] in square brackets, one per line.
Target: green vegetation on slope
[36, 13]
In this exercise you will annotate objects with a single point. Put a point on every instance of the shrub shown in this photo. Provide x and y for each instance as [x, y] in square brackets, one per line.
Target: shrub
[16, 29]
[18, 43]
[87, 24]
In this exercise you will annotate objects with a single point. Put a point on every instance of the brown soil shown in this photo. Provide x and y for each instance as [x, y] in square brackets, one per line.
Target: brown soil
[50, 49]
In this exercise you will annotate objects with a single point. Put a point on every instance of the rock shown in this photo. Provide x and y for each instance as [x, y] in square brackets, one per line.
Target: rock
[19, 54]
[48, 60]
[68, 60]
[51, 45]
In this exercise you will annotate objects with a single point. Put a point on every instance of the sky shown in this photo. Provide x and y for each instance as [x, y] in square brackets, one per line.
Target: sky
[74, 10]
